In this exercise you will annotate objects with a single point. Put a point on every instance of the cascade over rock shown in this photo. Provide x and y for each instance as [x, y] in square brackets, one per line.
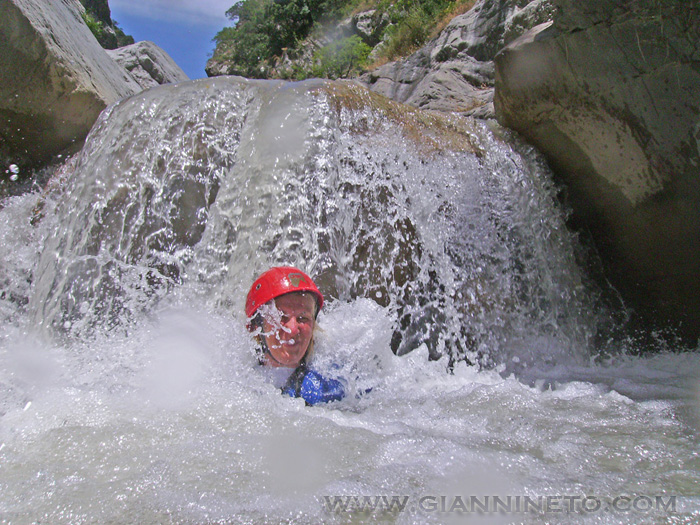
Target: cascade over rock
[197, 187]
[148, 64]
[454, 72]
[610, 92]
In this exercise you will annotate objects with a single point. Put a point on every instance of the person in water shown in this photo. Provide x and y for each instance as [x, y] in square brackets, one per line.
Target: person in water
[282, 307]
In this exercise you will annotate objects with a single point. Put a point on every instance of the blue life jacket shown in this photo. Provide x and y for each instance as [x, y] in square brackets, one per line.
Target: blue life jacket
[313, 387]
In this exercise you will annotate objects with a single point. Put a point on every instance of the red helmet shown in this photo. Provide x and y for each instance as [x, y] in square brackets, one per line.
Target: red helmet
[279, 281]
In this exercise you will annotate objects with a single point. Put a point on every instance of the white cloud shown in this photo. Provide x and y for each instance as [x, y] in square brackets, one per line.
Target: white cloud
[193, 12]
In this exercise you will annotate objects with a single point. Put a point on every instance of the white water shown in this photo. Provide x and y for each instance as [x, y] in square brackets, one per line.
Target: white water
[150, 409]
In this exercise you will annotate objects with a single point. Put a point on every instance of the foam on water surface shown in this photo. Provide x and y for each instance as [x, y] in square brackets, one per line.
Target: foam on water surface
[125, 435]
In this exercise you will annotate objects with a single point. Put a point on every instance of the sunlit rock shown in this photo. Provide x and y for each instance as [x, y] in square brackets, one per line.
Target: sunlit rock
[454, 71]
[611, 94]
[56, 79]
[148, 64]
[369, 26]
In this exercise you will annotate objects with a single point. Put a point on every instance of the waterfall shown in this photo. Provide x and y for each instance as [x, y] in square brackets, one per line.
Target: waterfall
[202, 185]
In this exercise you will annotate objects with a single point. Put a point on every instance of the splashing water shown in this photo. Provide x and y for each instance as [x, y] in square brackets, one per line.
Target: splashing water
[438, 220]
[130, 391]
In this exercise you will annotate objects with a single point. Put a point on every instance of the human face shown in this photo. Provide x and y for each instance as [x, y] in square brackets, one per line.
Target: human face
[288, 339]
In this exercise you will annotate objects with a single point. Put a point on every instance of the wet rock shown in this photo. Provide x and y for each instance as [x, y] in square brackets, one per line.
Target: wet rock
[148, 64]
[611, 94]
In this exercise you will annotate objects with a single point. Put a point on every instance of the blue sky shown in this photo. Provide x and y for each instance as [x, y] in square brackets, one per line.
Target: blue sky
[183, 28]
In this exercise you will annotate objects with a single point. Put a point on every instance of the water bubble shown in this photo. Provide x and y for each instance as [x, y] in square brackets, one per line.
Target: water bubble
[14, 169]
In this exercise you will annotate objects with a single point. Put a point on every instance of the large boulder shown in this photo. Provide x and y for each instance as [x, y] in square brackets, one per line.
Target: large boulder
[454, 72]
[610, 92]
[148, 64]
[56, 79]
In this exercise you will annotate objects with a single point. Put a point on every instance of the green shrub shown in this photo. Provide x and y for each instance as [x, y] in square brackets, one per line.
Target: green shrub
[342, 58]
[264, 29]
[122, 38]
[246, 47]
[93, 24]
[107, 40]
[108, 37]
[409, 33]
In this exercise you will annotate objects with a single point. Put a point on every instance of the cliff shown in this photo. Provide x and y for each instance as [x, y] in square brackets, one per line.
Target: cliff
[454, 72]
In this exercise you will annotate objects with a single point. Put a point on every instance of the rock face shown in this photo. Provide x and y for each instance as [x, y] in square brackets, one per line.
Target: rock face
[610, 92]
[369, 26]
[454, 72]
[148, 64]
[56, 79]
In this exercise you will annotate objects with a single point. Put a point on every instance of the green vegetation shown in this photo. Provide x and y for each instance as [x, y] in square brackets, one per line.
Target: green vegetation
[341, 58]
[408, 34]
[415, 21]
[109, 37]
[266, 30]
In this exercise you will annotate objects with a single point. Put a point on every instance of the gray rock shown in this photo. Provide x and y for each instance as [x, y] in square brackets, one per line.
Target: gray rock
[369, 26]
[462, 84]
[56, 79]
[364, 24]
[148, 64]
[611, 94]
[454, 72]
[216, 67]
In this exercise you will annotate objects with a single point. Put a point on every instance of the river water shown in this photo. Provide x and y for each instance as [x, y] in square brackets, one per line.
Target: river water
[489, 381]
